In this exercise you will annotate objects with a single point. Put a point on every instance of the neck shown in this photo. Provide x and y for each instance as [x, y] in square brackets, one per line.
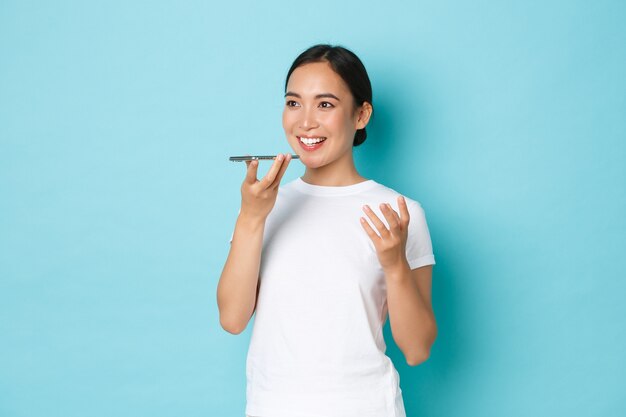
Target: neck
[333, 176]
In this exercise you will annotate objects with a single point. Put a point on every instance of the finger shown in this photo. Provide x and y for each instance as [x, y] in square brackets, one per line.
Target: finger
[283, 168]
[392, 217]
[271, 175]
[404, 210]
[252, 167]
[380, 226]
[368, 229]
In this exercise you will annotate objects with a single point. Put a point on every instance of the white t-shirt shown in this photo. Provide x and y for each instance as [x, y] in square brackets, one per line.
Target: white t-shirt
[317, 347]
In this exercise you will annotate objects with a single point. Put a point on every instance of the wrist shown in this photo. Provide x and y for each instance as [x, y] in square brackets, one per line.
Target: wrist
[398, 271]
[250, 222]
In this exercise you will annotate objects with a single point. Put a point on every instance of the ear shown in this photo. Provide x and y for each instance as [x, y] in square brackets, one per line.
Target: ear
[363, 115]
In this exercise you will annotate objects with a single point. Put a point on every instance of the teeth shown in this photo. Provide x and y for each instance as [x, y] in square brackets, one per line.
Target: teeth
[311, 141]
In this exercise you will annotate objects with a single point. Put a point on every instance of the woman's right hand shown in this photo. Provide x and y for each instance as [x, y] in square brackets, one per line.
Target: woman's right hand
[258, 196]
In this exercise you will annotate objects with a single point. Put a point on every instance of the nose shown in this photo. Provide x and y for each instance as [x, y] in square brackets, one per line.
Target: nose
[308, 120]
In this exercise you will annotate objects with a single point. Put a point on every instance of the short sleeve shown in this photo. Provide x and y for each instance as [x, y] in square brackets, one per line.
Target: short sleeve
[419, 249]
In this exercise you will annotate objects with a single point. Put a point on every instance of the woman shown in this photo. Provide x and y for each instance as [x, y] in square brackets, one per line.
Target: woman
[324, 258]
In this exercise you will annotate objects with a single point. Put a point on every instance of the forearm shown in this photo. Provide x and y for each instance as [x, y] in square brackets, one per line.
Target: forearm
[411, 317]
[237, 287]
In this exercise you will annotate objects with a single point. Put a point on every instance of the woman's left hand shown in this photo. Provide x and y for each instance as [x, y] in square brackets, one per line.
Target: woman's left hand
[390, 243]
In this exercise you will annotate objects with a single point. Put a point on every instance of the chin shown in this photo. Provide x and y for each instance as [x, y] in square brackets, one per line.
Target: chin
[311, 162]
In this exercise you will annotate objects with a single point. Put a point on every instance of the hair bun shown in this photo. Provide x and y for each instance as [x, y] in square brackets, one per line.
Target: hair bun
[359, 137]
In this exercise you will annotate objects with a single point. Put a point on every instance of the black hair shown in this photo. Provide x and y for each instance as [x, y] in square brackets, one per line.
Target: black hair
[348, 66]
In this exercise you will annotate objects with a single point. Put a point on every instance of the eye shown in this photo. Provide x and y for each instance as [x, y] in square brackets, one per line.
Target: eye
[291, 103]
[326, 105]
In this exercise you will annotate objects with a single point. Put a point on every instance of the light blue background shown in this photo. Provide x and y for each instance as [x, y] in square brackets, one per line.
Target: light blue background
[506, 120]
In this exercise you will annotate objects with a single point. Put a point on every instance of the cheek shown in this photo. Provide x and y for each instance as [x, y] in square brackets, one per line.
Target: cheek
[332, 120]
[342, 122]
[288, 119]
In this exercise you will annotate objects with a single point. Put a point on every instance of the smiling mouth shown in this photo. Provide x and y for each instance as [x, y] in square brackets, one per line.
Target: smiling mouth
[311, 141]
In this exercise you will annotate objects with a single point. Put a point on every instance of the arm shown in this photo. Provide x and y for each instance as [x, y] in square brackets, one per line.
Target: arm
[408, 291]
[238, 287]
[411, 314]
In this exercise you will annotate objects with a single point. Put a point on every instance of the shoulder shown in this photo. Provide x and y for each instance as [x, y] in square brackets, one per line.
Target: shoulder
[390, 195]
[287, 196]
[287, 188]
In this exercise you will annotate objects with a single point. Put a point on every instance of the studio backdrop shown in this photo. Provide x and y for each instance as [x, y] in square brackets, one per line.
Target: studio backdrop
[505, 120]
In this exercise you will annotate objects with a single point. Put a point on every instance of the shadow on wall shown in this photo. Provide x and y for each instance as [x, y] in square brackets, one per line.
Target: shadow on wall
[399, 126]
[425, 386]
[392, 155]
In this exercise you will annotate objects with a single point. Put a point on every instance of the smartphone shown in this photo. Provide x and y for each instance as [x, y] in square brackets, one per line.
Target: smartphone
[259, 157]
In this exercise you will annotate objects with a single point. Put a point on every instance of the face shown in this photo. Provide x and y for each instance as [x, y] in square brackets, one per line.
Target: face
[319, 117]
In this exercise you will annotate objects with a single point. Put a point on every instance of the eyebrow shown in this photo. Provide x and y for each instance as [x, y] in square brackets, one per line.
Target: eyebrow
[323, 95]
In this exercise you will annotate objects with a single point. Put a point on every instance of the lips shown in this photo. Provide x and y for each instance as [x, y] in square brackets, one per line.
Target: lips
[311, 140]
[311, 143]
